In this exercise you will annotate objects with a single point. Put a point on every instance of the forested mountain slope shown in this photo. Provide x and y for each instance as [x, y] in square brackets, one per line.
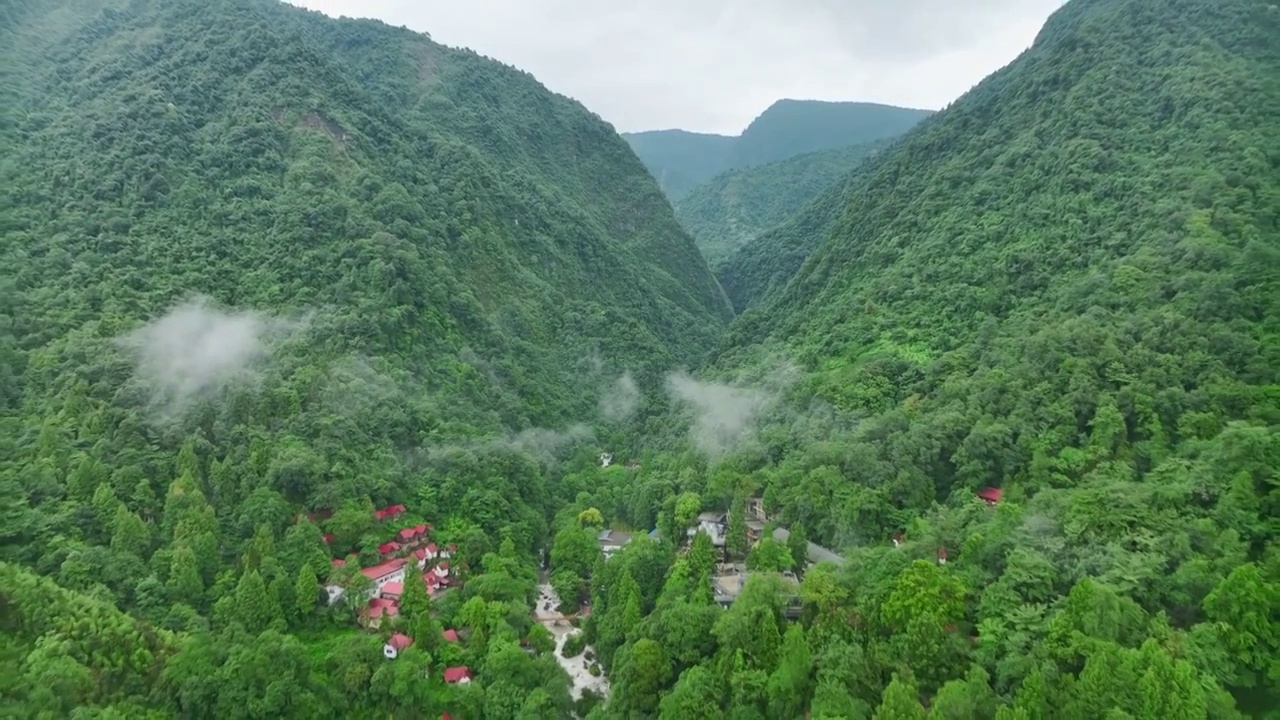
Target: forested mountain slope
[682, 160]
[1035, 407]
[259, 262]
[734, 207]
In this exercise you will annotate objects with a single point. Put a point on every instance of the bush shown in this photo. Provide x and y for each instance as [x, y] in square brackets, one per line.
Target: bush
[574, 645]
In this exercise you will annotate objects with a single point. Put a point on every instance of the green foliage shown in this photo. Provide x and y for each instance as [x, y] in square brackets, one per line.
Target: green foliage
[730, 210]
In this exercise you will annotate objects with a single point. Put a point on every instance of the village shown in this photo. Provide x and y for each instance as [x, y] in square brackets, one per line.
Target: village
[729, 578]
[408, 553]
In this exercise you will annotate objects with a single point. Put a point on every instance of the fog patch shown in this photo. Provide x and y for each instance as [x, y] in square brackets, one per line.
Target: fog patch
[198, 352]
[620, 399]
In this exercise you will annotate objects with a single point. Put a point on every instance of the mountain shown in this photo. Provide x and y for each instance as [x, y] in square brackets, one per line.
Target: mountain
[353, 167]
[681, 160]
[732, 208]
[1024, 381]
[263, 265]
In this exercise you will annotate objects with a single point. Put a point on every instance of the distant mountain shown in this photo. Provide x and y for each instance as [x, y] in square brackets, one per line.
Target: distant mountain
[734, 207]
[680, 160]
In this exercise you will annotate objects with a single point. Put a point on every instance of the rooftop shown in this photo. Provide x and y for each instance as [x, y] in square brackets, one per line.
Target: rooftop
[817, 553]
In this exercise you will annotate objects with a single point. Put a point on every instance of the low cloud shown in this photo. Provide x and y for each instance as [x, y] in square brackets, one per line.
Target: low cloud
[198, 352]
[544, 444]
[724, 416]
[620, 399]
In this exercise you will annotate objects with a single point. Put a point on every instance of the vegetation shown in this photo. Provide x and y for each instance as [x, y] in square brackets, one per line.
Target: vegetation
[682, 160]
[1065, 286]
[727, 212]
[415, 273]
[424, 277]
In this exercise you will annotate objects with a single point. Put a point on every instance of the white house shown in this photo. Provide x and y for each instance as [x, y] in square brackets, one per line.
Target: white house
[399, 641]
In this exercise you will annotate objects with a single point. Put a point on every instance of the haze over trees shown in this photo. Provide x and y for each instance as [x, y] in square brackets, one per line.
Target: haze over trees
[268, 271]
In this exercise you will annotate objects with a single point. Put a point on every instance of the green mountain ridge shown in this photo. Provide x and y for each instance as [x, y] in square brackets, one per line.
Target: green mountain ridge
[681, 160]
[733, 208]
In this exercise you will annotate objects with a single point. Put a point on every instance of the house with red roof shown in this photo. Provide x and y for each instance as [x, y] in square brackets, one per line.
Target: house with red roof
[414, 534]
[327, 538]
[457, 674]
[387, 572]
[378, 609]
[389, 512]
[451, 635]
[942, 556]
[392, 590]
[337, 563]
[433, 581]
[387, 549]
[990, 495]
[443, 569]
[399, 641]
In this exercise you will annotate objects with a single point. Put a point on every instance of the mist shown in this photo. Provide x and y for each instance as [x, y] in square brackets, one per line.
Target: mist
[198, 352]
[723, 415]
[620, 399]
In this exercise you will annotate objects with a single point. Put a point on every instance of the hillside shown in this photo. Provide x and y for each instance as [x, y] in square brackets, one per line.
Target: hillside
[260, 262]
[1026, 385]
[734, 207]
[682, 160]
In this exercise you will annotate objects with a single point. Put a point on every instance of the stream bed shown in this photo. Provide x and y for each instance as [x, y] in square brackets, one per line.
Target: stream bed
[547, 612]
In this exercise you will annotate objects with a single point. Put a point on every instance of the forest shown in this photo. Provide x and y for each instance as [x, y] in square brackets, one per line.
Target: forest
[996, 433]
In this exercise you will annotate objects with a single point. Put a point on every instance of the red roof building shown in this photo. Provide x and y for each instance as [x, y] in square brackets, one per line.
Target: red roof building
[457, 674]
[337, 563]
[327, 537]
[389, 512]
[398, 642]
[383, 571]
[990, 495]
[393, 590]
[388, 548]
[451, 635]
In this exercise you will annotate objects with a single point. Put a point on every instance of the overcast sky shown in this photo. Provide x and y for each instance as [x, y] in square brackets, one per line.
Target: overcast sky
[714, 65]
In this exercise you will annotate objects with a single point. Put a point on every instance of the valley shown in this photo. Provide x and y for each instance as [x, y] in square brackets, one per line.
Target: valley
[346, 373]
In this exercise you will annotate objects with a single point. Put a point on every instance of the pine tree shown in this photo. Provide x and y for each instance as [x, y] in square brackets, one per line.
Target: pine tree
[736, 540]
[306, 591]
[185, 584]
[798, 544]
[129, 534]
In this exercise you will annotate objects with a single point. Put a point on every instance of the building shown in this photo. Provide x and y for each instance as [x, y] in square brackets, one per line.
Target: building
[399, 641]
[451, 635]
[990, 495]
[387, 549]
[389, 512]
[411, 536]
[611, 541]
[817, 553]
[392, 591]
[383, 573]
[729, 579]
[457, 675]
[377, 609]
[606, 459]
[712, 523]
